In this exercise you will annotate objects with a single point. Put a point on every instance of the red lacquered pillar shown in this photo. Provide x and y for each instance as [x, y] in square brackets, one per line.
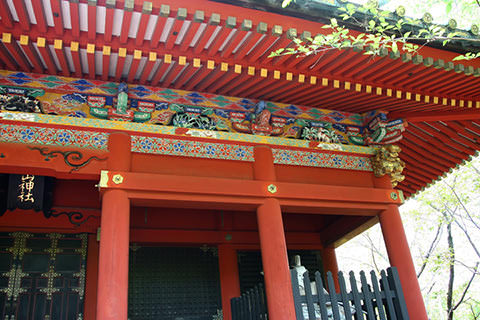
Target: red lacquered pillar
[112, 298]
[329, 260]
[229, 280]
[278, 283]
[400, 256]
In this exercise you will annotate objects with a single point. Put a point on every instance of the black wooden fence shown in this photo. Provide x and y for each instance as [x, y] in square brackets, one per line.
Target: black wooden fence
[382, 299]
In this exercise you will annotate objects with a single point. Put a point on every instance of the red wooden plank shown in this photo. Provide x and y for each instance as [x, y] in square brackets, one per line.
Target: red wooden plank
[7, 19]
[31, 54]
[44, 52]
[75, 18]
[226, 79]
[207, 33]
[23, 18]
[245, 86]
[161, 71]
[428, 145]
[11, 45]
[215, 75]
[58, 47]
[273, 94]
[237, 38]
[162, 18]
[428, 154]
[57, 17]
[137, 57]
[260, 31]
[109, 15]
[174, 71]
[106, 53]
[127, 18]
[261, 48]
[142, 27]
[92, 19]
[198, 77]
[122, 54]
[197, 21]
[267, 82]
[186, 75]
[74, 49]
[242, 78]
[284, 42]
[39, 15]
[152, 58]
[455, 135]
[230, 23]
[446, 139]
[91, 60]
[7, 58]
[175, 30]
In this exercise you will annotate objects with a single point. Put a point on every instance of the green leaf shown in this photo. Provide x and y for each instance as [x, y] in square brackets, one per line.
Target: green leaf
[394, 47]
[285, 3]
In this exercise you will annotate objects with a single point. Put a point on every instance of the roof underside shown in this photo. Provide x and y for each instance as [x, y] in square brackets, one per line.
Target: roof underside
[223, 49]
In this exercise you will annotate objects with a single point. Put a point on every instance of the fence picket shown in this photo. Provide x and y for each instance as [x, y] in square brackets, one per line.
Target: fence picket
[321, 296]
[382, 299]
[367, 296]
[309, 297]
[391, 315]
[333, 296]
[378, 296]
[296, 295]
[356, 297]
[394, 281]
[344, 295]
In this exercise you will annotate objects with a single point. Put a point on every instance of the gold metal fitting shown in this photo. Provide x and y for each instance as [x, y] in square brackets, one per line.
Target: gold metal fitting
[117, 179]
[272, 188]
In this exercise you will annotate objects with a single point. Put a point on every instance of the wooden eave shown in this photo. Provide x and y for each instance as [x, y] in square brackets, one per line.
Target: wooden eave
[223, 49]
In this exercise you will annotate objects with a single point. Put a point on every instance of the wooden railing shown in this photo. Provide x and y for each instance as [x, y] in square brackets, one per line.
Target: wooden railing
[381, 299]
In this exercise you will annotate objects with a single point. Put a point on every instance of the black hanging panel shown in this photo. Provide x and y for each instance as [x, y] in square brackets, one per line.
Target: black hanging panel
[250, 265]
[173, 283]
[42, 276]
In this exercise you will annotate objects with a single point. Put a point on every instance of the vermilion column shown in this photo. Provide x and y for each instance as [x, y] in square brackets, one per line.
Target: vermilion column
[112, 303]
[230, 283]
[400, 256]
[329, 261]
[278, 283]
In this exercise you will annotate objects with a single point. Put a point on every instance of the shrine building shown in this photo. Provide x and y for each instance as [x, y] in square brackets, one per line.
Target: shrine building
[155, 162]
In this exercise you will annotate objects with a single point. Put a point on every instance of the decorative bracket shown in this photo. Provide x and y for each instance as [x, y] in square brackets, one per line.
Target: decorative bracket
[387, 161]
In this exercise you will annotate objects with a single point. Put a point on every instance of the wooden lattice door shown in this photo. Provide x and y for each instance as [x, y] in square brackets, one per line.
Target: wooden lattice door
[42, 276]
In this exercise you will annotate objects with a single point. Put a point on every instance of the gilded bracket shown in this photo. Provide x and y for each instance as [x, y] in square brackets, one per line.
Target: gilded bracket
[387, 161]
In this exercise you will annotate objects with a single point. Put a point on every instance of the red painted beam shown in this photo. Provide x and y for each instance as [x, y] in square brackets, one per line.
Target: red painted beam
[7, 19]
[215, 75]
[31, 54]
[256, 35]
[172, 74]
[137, 57]
[7, 58]
[12, 48]
[57, 17]
[91, 59]
[283, 42]
[22, 14]
[207, 33]
[152, 58]
[109, 15]
[262, 47]
[195, 24]
[92, 20]
[446, 139]
[58, 47]
[75, 18]
[44, 51]
[122, 54]
[186, 75]
[175, 30]
[105, 62]
[222, 36]
[39, 15]
[127, 18]
[240, 34]
[162, 18]
[197, 78]
[160, 72]
[74, 49]
[427, 145]
[142, 26]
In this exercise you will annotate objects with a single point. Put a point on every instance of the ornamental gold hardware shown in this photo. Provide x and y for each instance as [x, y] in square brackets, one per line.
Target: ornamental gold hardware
[117, 179]
[272, 188]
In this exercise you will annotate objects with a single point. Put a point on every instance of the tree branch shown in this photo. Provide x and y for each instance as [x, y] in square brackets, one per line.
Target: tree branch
[430, 250]
[466, 288]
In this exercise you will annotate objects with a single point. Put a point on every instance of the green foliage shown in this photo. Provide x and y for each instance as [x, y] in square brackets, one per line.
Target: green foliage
[381, 31]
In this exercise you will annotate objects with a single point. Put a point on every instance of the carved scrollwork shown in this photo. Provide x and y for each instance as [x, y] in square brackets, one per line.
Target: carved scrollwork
[71, 158]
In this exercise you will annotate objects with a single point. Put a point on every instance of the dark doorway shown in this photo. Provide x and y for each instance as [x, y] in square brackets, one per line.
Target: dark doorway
[173, 283]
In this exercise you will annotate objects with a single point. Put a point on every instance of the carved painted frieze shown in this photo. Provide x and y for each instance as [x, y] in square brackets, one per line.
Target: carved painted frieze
[192, 110]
